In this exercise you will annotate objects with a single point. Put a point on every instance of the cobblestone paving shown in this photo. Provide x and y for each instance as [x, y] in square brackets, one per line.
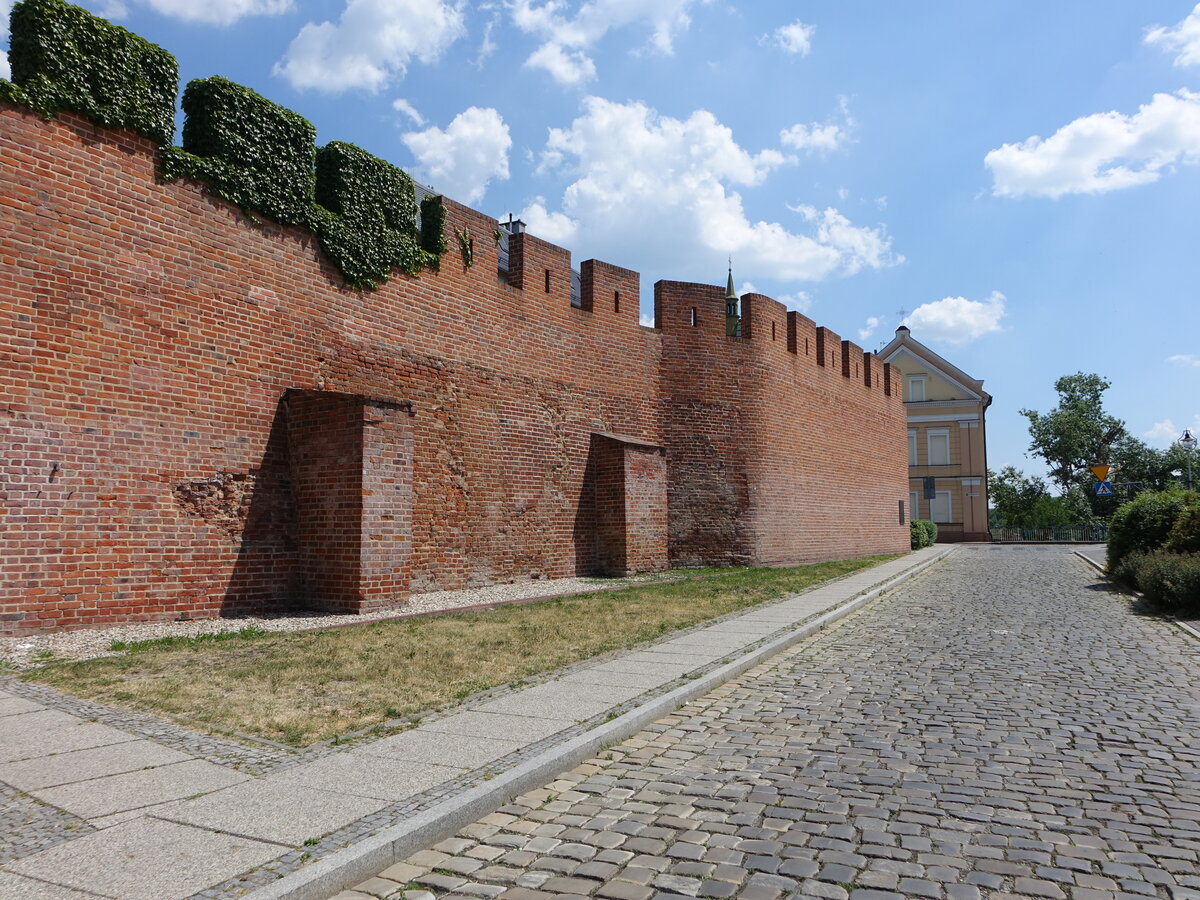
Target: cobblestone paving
[1000, 726]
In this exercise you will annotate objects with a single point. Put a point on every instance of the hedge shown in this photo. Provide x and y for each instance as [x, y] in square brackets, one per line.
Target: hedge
[924, 533]
[1169, 580]
[1145, 523]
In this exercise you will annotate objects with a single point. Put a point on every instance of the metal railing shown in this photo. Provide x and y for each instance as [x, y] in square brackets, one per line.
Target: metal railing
[1057, 534]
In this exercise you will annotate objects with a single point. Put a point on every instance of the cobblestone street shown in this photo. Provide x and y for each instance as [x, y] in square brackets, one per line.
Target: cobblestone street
[999, 726]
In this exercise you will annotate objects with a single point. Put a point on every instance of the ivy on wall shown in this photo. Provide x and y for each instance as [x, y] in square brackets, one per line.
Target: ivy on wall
[64, 58]
[251, 151]
[245, 148]
[365, 215]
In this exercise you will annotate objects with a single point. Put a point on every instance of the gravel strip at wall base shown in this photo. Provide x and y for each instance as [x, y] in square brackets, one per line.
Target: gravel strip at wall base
[26, 651]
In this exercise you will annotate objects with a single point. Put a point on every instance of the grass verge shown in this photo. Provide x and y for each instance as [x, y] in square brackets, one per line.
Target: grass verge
[308, 686]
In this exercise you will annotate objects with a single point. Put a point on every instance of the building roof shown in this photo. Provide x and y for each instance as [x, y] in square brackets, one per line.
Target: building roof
[904, 342]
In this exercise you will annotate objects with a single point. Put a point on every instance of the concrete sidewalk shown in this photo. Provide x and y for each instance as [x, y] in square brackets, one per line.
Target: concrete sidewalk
[97, 802]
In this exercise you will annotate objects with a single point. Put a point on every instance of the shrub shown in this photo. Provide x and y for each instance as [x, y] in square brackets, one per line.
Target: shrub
[1169, 580]
[924, 533]
[1185, 533]
[1144, 523]
[64, 58]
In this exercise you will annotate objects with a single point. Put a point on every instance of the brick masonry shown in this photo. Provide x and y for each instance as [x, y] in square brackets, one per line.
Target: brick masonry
[197, 417]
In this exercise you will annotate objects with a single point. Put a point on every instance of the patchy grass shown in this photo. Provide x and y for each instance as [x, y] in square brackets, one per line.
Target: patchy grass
[308, 686]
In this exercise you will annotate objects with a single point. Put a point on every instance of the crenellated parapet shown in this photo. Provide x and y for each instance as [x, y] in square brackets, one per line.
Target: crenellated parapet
[206, 412]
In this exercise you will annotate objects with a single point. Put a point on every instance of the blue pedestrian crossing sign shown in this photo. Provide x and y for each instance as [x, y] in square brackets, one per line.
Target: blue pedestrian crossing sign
[1104, 489]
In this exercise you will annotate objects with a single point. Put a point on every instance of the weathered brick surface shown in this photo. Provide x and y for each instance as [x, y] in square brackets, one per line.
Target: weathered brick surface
[150, 333]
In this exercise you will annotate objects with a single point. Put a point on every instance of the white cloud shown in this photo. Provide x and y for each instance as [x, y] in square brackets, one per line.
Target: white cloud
[568, 37]
[401, 105]
[800, 301]
[1183, 39]
[1185, 359]
[373, 41]
[957, 320]
[1166, 432]
[466, 156]
[795, 38]
[5, 71]
[646, 320]
[555, 227]
[1162, 432]
[818, 138]
[814, 138]
[1102, 152]
[216, 12]
[645, 183]
[872, 323]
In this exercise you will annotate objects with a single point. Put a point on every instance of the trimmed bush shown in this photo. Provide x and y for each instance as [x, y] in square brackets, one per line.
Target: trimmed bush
[924, 533]
[64, 58]
[1144, 523]
[1169, 580]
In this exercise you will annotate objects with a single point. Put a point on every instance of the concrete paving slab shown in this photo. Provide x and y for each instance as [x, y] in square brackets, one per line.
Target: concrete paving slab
[365, 775]
[146, 859]
[56, 733]
[555, 700]
[20, 888]
[460, 750]
[132, 790]
[81, 765]
[269, 811]
[667, 671]
[12, 706]
[494, 725]
[691, 660]
[593, 676]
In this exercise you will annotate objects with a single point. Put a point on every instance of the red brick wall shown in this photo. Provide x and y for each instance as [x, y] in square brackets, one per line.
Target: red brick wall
[779, 449]
[631, 505]
[149, 333]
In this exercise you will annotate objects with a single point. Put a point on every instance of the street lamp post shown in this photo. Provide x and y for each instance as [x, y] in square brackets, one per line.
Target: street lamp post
[1188, 442]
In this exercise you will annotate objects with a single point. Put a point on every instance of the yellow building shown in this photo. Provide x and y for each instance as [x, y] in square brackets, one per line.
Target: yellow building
[947, 446]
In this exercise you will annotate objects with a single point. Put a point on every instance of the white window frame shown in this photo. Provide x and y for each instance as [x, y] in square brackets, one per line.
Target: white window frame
[929, 443]
[914, 501]
[913, 382]
[934, 504]
[912, 447]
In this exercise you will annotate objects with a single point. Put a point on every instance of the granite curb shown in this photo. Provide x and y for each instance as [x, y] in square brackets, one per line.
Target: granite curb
[326, 877]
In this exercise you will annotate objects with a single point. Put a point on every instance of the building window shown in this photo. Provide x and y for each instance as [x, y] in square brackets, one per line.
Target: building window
[916, 388]
[939, 507]
[939, 447]
[914, 504]
[912, 447]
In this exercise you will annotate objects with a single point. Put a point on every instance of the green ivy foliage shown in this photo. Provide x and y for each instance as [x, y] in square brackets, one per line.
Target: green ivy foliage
[251, 151]
[247, 149]
[64, 58]
[366, 215]
[433, 225]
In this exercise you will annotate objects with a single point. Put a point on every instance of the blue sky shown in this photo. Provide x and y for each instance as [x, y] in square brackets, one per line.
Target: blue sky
[1021, 179]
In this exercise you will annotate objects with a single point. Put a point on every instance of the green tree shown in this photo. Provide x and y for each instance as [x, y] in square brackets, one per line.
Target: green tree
[1077, 433]
[1024, 501]
[1014, 496]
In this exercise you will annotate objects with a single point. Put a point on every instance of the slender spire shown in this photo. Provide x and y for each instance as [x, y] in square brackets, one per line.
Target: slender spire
[733, 322]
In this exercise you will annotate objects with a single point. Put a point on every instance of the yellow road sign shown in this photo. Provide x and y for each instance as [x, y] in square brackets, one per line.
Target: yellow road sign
[1101, 472]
